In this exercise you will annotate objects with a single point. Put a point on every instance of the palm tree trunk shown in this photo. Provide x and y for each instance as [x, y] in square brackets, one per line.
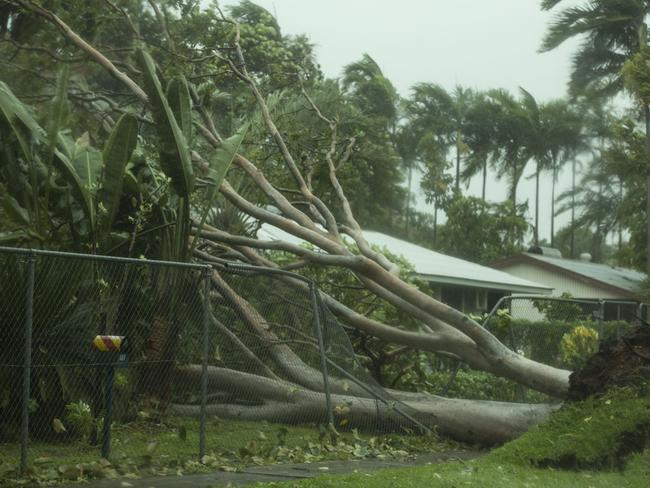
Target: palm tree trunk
[553, 205]
[537, 205]
[457, 160]
[435, 224]
[408, 199]
[513, 190]
[573, 208]
[646, 109]
[484, 178]
[620, 223]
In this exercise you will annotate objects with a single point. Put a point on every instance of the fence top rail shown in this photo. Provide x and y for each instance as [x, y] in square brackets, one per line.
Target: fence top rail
[244, 269]
[101, 257]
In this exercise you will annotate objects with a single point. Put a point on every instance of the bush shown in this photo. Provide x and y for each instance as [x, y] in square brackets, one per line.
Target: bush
[79, 418]
[579, 345]
[542, 340]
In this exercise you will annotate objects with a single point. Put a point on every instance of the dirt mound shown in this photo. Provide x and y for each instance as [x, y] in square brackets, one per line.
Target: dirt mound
[619, 362]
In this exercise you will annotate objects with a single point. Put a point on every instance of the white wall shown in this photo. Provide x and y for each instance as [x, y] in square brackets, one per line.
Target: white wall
[560, 282]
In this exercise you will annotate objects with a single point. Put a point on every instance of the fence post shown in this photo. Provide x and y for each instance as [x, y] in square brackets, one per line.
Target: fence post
[601, 319]
[27, 361]
[204, 364]
[323, 357]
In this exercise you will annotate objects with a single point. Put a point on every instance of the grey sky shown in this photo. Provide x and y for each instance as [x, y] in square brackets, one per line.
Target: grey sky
[475, 43]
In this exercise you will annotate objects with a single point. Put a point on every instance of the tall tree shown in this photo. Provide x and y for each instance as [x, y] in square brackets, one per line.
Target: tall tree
[481, 139]
[441, 116]
[614, 33]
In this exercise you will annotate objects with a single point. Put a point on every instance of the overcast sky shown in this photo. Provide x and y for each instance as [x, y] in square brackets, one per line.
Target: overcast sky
[474, 43]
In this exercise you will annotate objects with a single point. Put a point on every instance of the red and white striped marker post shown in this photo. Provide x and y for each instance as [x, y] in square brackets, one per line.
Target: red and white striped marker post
[116, 348]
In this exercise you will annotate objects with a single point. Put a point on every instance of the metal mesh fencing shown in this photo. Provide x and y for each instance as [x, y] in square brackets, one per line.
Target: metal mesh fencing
[560, 332]
[57, 383]
[144, 362]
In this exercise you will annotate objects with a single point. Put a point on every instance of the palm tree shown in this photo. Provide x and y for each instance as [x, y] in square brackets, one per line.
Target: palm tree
[481, 139]
[510, 139]
[406, 145]
[440, 115]
[598, 202]
[615, 36]
[565, 139]
[374, 94]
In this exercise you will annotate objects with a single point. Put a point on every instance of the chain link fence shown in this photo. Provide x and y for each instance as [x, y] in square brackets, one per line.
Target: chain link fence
[133, 359]
[154, 362]
[561, 332]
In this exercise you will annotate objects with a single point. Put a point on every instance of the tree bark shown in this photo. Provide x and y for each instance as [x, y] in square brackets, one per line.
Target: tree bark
[646, 110]
[553, 183]
[254, 398]
[484, 179]
[573, 209]
[537, 204]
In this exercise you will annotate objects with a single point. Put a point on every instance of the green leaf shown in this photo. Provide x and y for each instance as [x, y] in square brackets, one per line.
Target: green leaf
[58, 106]
[116, 155]
[67, 168]
[222, 159]
[178, 95]
[219, 165]
[14, 237]
[18, 118]
[12, 208]
[174, 152]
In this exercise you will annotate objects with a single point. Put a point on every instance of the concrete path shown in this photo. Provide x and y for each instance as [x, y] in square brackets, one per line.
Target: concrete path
[277, 472]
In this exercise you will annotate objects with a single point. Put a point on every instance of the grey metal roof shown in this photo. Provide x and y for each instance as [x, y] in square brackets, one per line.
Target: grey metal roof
[624, 278]
[432, 266]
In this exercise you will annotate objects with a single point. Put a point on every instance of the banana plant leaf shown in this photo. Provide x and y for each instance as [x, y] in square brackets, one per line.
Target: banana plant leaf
[172, 146]
[117, 153]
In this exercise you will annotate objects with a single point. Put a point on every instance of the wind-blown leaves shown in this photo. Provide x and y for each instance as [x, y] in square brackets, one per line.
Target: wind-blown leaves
[172, 145]
[116, 155]
[178, 96]
[219, 165]
[12, 209]
[80, 166]
[19, 120]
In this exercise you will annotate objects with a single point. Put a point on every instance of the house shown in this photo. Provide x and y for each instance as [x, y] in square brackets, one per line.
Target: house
[620, 288]
[461, 284]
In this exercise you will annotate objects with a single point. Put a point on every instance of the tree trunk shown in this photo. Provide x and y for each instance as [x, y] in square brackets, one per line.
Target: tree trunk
[457, 160]
[619, 216]
[536, 236]
[248, 397]
[573, 209]
[646, 109]
[435, 225]
[484, 179]
[553, 183]
[408, 199]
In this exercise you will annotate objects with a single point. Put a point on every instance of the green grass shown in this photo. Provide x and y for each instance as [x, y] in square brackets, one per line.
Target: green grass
[483, 473]
[171, 447]
[598, 442]
[598, 433]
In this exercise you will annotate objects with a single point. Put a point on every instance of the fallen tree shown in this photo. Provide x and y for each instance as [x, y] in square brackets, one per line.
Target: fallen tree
[442, 329]
[252, 397]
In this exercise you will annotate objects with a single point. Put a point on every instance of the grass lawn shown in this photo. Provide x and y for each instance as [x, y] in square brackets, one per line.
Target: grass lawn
[484, 473]
[146, 448]
[603, 436]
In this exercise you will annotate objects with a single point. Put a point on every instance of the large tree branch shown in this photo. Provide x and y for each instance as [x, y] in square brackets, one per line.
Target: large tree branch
[316, 205]
[94, 54]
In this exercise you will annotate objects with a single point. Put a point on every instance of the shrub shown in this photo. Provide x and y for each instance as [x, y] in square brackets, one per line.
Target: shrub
[579, 345]
[79, 418]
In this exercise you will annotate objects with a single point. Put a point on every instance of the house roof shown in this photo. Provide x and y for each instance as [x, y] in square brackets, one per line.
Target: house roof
[433, 266]
[622, 280]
